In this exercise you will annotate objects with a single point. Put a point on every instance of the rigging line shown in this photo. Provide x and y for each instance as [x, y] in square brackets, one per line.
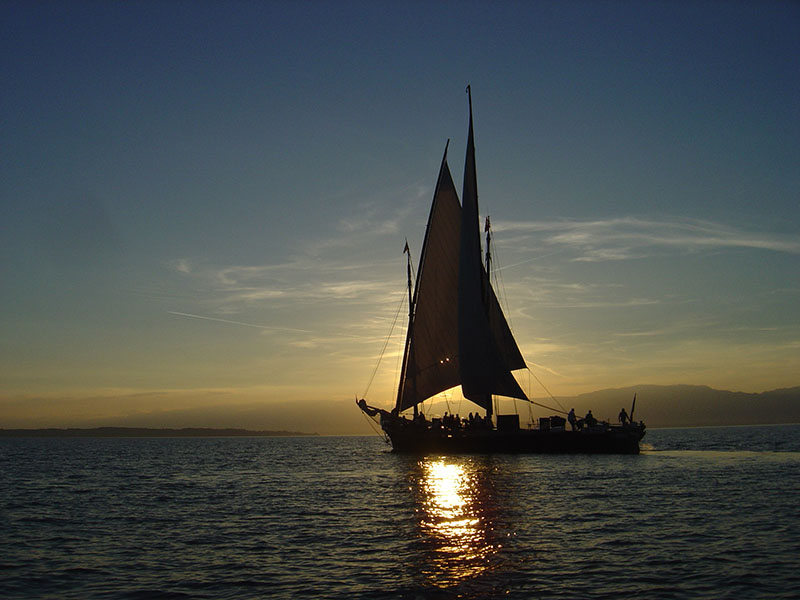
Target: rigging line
[385, 343]
[374, 426]
[530, 410]
[398, 366]
[563, 410]
[548, 407]
[447, 402]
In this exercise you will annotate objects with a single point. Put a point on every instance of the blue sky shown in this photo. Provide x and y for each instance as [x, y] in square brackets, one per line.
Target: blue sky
[259, 165]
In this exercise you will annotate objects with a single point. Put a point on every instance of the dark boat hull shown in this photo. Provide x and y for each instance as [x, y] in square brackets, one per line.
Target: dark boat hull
[600, 440]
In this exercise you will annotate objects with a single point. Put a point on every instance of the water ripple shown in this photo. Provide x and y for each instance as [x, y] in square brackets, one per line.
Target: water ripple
[695, 517]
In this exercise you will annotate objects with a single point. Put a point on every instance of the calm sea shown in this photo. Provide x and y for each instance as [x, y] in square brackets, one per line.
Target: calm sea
[701, 513]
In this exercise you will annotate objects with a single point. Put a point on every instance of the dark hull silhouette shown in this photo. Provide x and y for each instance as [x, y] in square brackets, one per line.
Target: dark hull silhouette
[409, 437]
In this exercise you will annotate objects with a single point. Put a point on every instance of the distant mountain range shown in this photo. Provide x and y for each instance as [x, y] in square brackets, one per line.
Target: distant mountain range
[691, 405]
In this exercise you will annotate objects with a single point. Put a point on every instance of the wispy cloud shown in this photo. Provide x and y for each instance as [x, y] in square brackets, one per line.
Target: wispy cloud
[334, 273]
[232, 322]
[372, 222]
[182, 265]
[386, 214]
[540, 292]
[629, 237]
[297, 280]
[544, 368]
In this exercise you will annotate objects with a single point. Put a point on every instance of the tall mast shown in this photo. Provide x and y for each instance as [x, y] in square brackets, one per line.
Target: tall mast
[488, 229]
[407, 349]
[475, 343]
[487, 290]
[487, 350]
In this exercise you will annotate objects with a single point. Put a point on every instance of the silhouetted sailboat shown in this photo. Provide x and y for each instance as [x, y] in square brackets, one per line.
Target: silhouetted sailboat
[458, 335]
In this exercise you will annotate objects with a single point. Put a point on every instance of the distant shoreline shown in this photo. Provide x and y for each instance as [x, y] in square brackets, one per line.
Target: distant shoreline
[129, 432]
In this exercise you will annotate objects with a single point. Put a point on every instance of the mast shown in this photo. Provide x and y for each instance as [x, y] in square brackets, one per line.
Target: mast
[487, 349]
[410, 314]
[407, 348]
[487, 288]
[487, 229]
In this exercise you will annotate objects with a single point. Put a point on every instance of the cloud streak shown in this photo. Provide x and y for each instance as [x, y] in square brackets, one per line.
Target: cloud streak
[232, 322]
[629, 237]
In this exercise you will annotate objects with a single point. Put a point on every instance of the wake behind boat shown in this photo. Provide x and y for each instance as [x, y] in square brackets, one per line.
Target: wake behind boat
[458, 335]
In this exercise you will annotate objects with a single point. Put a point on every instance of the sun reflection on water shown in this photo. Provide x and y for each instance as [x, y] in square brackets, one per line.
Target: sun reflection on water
[454, 521]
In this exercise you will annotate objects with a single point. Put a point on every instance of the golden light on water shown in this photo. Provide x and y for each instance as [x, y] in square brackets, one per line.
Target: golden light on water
[453, 522]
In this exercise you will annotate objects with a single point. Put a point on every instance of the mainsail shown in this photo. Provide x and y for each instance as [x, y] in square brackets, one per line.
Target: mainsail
[457, 332]
[431, 364]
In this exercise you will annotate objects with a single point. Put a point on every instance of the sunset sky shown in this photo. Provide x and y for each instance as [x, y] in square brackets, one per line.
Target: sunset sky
[203, 205]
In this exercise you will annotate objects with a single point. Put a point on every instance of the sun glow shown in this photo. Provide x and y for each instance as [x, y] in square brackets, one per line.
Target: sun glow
[452, 522]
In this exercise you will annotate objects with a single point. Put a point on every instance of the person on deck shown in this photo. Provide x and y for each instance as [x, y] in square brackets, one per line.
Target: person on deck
[590, 420]
[572, 419]
[623, 417]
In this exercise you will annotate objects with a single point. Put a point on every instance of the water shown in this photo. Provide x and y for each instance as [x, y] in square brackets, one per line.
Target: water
[701, 513]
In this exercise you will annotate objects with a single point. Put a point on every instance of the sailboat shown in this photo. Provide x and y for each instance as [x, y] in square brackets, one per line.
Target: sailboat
[458, 335]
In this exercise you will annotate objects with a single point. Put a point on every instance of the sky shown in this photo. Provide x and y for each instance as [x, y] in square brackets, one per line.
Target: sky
[203, 205]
